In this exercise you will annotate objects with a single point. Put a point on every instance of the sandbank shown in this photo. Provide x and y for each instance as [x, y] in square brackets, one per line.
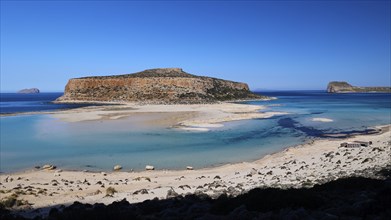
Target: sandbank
[322, 119]
[194, 117]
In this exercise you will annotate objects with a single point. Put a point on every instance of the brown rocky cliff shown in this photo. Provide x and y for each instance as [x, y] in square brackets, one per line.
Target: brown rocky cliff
[344, 87]
[170, 85]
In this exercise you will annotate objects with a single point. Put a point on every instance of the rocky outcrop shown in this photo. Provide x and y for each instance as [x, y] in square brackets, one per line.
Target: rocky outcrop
[168, 85]
[29, 91]
[347, 198]
[344, 87]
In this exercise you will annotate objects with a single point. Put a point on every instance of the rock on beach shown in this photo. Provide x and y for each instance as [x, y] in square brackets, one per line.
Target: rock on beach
[117, 167]
[149, 167]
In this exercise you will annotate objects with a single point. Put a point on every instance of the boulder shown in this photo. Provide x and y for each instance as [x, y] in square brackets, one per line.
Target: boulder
[149, 167]
[48, 167]
[117, 167]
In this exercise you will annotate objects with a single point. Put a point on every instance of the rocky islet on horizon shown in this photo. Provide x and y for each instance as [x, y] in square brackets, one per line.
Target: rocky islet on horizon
[156, 86]
[29, 91]
[344, 87]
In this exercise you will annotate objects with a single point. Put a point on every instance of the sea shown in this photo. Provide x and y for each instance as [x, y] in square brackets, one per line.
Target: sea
[29, 140]
[11, 103]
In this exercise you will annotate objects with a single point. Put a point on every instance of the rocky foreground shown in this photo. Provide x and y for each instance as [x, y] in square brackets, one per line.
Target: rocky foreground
[156, 86]
[346, 198]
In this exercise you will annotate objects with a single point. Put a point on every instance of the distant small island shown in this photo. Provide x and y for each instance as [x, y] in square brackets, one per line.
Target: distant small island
[344, 87]
[29, 91]
[156, 86]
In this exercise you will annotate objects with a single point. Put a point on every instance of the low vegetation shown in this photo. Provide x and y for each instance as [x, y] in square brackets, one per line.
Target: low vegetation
[12, 201]
[142, 177]
[110, 191]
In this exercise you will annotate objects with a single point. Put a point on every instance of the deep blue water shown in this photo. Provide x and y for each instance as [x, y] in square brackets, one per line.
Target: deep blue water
[29, 140]
[17, 103]
[353, 111]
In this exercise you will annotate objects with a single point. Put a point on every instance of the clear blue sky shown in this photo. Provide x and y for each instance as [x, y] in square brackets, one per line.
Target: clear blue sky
[267, 44]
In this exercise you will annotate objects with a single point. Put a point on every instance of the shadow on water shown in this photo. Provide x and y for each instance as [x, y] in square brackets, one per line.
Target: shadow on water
[316, 113]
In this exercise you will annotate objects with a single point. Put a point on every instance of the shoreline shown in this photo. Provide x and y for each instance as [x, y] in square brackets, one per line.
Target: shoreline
[380, 129]
[119, 103]
[265, 98]
[304, 165]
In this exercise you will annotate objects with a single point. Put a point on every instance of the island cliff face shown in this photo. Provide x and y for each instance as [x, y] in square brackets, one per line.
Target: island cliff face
[344, 87]
[168, 85]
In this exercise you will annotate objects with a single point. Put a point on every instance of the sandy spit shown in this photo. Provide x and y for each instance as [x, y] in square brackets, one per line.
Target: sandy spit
[195, 117]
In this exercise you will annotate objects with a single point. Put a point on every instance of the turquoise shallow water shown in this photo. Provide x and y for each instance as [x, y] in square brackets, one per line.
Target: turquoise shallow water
[30, 140]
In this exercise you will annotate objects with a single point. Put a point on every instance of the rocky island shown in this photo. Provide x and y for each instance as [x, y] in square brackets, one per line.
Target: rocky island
[157, 86]
[344, 87]
[29, 91]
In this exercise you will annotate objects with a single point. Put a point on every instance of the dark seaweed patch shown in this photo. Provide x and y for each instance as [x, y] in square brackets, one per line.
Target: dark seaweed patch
[309, 131]
[276, 132]
[316, 113]
[313, 132]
